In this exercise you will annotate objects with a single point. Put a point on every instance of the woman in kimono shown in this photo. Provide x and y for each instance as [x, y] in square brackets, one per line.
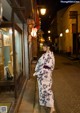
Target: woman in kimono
[43, 71]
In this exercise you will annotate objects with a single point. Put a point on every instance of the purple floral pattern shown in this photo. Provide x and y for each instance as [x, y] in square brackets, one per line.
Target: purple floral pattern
[43, 71]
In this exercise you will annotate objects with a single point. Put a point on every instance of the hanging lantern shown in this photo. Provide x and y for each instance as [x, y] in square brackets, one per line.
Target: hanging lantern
[1, 11]
[43, 11]
[34, 32]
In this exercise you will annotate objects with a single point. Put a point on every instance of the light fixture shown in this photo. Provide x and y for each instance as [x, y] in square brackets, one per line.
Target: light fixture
[61, 34]
[41, 44]
[49, 38]
[43, 11]
[34, 32]
[67, 31]
[49, 31]
[42, 39]
[1, 11]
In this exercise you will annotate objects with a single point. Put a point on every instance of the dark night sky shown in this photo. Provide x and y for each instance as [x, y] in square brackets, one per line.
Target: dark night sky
[52, 7]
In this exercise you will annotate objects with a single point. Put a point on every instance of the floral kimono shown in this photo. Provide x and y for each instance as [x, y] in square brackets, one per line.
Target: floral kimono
[43, 71]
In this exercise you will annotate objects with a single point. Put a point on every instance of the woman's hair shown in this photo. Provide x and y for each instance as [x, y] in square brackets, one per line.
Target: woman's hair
[48, 44]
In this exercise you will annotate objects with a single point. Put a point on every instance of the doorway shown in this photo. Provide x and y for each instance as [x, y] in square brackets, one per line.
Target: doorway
[74, 43]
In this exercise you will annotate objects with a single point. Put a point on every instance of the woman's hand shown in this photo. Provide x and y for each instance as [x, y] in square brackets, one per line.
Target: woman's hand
[34, 74]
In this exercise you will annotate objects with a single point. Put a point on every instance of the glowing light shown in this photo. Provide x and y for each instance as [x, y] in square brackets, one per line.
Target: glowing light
[34, 32]
[49, 38]
[42, 39]
[49, 31]
[61, 34]
[41, 44]
[67, 31]
[43, 11]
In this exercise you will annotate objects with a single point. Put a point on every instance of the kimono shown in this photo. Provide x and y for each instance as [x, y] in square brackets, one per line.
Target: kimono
[43, 71]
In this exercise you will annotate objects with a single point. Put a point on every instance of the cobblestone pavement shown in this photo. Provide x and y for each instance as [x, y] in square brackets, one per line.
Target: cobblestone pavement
[66, 86]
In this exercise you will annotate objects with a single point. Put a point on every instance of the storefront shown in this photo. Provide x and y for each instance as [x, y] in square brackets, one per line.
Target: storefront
[14, 70]
[11, 58]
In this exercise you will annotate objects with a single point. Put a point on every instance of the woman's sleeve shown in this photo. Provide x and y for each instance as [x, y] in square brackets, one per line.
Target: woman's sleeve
[39, 64]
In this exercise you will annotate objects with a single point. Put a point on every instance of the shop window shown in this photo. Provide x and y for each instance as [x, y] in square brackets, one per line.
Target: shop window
[9, 57]
[5, 57]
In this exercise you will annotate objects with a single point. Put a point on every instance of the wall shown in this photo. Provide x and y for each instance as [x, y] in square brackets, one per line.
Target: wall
[60, 28]
[64, 22]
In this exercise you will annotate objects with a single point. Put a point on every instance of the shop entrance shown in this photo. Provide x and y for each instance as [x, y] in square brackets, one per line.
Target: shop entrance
[76, 44]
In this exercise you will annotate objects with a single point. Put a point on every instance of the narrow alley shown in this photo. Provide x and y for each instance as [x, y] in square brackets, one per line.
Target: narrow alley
[29, 28]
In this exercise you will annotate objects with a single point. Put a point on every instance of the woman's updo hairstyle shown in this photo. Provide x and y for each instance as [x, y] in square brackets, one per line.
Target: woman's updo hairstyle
[48, 44]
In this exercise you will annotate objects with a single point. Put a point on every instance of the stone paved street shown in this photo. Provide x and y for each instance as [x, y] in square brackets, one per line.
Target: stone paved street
[27, 103]
[66, 86]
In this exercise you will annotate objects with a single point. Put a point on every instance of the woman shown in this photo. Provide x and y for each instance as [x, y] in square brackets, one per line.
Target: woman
[43, 71]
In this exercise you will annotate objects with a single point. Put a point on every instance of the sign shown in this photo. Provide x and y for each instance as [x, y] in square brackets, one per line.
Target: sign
[3, 109]
[70, 1]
